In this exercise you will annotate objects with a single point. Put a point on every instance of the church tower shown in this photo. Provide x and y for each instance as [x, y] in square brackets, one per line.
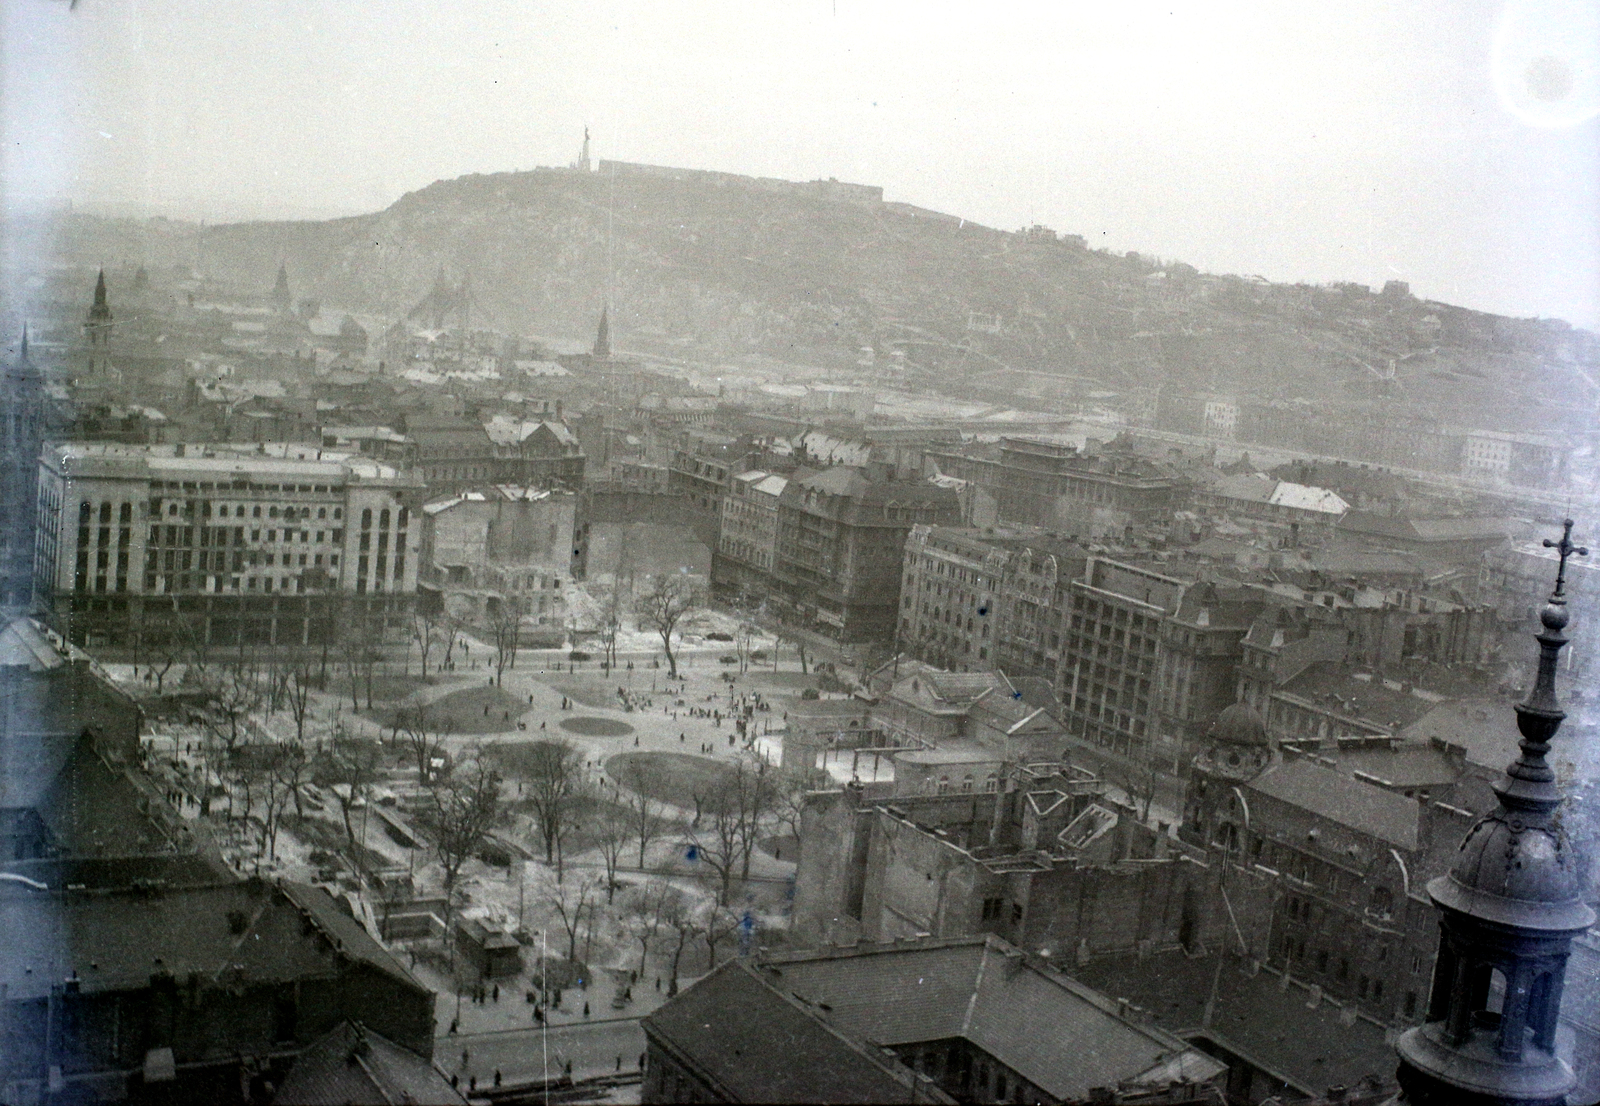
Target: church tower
[97, 327]
[1509, 909]
[281, 297]
[1237, 751]
[602, 337]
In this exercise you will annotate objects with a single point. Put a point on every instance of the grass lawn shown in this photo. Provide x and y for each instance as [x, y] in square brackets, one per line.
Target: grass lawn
[596, 727]
[463, 712]
[669, 777]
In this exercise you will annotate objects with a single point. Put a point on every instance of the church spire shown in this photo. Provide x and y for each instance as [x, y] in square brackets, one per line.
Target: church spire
[100, 310]
[281, 296]
[1509, 909]
[602, 337]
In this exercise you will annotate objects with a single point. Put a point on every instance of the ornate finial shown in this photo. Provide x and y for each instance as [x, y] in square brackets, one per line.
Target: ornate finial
[1565, 549]
[1530, 779]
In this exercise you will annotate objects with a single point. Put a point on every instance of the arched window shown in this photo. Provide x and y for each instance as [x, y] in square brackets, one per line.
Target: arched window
[366, 518]
[383, 519]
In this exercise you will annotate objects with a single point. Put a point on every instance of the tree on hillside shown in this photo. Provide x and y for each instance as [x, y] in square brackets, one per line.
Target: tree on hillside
[662, 607]
[554, 777]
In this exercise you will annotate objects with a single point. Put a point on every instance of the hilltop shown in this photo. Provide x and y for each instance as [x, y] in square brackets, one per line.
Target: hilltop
[715, 266]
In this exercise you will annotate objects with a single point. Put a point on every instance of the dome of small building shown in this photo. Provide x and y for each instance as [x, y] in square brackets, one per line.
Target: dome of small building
[1240, 724]
[1516, 872]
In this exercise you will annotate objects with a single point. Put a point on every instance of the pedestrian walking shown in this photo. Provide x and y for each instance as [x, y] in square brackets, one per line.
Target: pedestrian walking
[466, 1055]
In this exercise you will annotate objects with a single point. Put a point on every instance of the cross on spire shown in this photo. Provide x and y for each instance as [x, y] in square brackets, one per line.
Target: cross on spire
[1565, 548]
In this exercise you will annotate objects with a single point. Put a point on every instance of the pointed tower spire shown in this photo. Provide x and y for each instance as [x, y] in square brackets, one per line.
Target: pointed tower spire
[602, 338]
[1509, 909]
[100, 310]
[281, 296]
[22, 355]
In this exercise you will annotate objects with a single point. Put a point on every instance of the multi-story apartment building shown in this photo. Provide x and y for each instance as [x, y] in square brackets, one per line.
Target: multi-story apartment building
[453, 453]
[747, 534]
[1111, 659]
[840, 548]
[227, 547]
[1096, 491]
[973, 600]
[948, 589]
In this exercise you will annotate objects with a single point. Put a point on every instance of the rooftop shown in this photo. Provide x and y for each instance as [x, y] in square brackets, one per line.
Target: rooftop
[1332, 795]
[757, 1044]
[1057, 1033]
[1256, 1017]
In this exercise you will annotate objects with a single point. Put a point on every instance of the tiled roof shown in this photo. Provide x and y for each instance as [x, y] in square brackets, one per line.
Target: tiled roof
[1485, 728]
[116, 941]
[1331, 794]
[1337, 689]
[1254, 1017]
[756, 1043]
[352, 1064]
[1059, 1035]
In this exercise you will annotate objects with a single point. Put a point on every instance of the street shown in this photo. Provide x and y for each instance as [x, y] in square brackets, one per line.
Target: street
[535, 1054]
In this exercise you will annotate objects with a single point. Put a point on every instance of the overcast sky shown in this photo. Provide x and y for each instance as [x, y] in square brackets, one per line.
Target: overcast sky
[1451, 143]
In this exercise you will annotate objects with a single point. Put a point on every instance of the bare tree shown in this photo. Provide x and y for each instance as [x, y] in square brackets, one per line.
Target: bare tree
[165, 635]
[348, 770]
[426, 631]
[788, 807]
[572, 901]
[793, 636]
[425, 744]
[717, 925]
[450, 633]
[231, 695]
[286, 767]
[506, 625]
[746, 632]
[292, 768]
[297, 693]
[736, 813]
[647, 907]
[554, 784]
[645, 815]
[663, 606]
[615, 834]
[464, 806]
[683, 916]
[611, 625]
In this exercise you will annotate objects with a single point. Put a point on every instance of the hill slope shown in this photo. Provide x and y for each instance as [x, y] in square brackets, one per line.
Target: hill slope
[716, 266]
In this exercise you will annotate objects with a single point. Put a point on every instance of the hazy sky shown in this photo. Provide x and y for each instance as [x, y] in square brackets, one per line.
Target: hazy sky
[1451, 143]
